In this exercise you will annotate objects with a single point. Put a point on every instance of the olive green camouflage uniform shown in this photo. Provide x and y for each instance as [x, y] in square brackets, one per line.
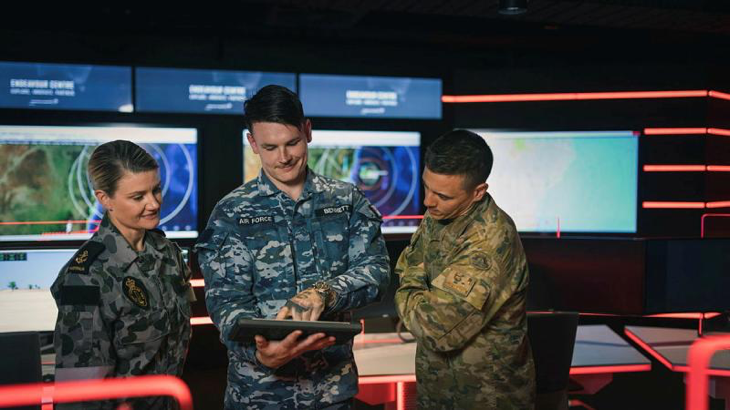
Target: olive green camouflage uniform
[463, 285]
[122, 313]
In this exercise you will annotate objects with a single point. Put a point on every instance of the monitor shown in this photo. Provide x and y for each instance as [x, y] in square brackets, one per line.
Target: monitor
[385, 165]
[201, 91]
[370, 97]
[45, 192]
[572, 181]
[26, 276]
[65, 87]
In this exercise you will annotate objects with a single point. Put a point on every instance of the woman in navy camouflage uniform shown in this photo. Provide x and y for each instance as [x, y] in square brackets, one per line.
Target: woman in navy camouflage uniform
[123, 299]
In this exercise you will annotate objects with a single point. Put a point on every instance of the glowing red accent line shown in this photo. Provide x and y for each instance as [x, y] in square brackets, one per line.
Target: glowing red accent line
[675, 168]
[400, 396]
[649, 349]
[718, 168]
[571, 96]
[611, 369]
[399, 378]
[202, 320]
[718, 204]
[674, 131]
[557, 232]
[197, 283]
[719, 131]
[673, 205]
[686, 315]
[579, 403]
[720, 95]
[702, 221]
[93, 390]
[81, 221]
[403, 217]
[698, 359]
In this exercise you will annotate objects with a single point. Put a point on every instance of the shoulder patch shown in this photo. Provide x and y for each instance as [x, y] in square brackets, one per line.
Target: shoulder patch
[481, 261]
[459, 283]
[84, 257]
[136, 292]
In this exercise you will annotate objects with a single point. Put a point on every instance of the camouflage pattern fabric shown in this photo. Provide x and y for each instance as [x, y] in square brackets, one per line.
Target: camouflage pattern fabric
[260, 249]
[122, 313]
[463, 285]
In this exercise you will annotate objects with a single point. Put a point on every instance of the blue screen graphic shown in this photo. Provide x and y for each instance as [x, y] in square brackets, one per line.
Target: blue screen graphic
[568, 181]
[48, 194]
[376, 97]
[201, 91]
[65, 87]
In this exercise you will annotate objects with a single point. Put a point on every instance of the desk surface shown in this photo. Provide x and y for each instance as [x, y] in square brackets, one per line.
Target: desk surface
[670, 346]
[597, 349]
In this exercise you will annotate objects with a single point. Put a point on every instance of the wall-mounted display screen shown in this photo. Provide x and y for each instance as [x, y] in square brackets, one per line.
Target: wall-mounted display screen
[65, 87]
[45, 192]
[385, 165]
[26, 276]
[201, 91]
[573, 181]
[376, 97]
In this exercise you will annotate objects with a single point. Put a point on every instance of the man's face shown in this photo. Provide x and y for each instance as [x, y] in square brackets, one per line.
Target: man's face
[282, 149]
[445, 196]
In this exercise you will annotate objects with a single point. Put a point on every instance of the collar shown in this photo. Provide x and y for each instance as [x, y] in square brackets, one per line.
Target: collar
[457, 226]
[120, 252]
[313, 183]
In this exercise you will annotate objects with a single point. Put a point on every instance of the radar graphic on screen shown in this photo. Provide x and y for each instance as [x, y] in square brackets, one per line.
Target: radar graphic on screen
[46, 194]
[384, 165]
[572, 181]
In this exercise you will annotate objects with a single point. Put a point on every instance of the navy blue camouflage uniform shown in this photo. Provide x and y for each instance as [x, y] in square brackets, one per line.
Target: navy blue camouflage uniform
[259, 250]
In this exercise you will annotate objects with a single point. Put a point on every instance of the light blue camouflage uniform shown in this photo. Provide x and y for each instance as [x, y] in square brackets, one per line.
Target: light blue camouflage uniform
[260, 249]
[122, 313]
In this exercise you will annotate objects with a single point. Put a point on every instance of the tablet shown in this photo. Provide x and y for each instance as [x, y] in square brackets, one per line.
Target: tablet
[245, 329]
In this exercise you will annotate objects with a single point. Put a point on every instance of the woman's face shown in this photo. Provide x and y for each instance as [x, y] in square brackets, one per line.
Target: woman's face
[137, 202]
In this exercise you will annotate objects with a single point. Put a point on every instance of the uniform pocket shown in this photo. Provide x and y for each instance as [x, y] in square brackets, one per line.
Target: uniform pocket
[332, 235]
[142, 327]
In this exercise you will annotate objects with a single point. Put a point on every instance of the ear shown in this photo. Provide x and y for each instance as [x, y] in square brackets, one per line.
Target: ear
[103, 199]
[480, 190]
[307, 128]
[252, 142]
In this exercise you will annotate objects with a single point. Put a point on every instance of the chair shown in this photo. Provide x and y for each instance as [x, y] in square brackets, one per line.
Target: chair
[21, 359]
[552, 337]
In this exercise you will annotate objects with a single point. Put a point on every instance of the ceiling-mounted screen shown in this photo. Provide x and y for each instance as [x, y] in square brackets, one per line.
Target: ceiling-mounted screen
[385, 165]
[201, 91]
[571, 181]
[65, 87]
[45, 192]
[370, 97]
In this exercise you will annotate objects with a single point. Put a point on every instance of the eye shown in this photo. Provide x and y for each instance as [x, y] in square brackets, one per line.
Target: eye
[137, 197]
[269, 148]
[293, 143]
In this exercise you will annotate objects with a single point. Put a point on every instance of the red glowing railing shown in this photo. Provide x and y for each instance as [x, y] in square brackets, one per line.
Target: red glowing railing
[94, 390]
[699, 357]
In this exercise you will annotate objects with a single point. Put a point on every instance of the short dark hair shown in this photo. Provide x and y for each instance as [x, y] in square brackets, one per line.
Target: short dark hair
[461, 152]
[274, 103]
[110, 161]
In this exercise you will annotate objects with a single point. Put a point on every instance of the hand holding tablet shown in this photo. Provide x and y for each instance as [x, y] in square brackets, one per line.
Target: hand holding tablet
[245, 329]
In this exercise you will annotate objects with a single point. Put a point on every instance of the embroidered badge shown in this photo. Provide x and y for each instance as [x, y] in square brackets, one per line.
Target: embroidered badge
[255, 220]
[136, 292]
[481, 261]
[82, 257]
[460, 283]
[333, 210]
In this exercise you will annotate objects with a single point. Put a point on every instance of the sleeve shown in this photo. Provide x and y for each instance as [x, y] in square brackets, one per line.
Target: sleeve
[462, 300]
[227, 268]
[368, 273]
[81, 339]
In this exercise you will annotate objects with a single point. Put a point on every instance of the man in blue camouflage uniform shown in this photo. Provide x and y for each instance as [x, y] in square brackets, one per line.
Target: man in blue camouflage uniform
[463, 287]
[290, 243]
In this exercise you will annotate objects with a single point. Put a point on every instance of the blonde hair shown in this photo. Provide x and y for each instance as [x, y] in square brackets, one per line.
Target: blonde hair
[109, 162]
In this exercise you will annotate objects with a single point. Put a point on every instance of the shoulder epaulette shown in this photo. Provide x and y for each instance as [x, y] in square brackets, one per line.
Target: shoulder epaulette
[85, 256]
[159, 231]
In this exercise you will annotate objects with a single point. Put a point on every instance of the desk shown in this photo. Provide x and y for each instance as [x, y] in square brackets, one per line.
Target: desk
[387, 365]
[670, 346]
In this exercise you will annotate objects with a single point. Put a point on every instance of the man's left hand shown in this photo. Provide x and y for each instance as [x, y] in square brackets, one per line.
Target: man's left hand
[307, 305]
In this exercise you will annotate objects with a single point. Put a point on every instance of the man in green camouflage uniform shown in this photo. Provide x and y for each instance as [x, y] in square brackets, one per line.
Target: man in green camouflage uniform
[463, 284]
[122, 313]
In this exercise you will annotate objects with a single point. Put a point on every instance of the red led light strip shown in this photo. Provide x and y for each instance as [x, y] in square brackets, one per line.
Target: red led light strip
[687, 131]
[672, 205]
[611, 369]
[702, 221]
[621, 95]
[82, 221]
[675, 168]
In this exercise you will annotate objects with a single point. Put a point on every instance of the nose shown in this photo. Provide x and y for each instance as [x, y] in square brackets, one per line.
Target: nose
[154, 203]
[284, 156]
[428, 200]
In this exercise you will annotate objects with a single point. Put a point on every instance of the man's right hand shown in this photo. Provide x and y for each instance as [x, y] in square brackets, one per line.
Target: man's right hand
[276, 354]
